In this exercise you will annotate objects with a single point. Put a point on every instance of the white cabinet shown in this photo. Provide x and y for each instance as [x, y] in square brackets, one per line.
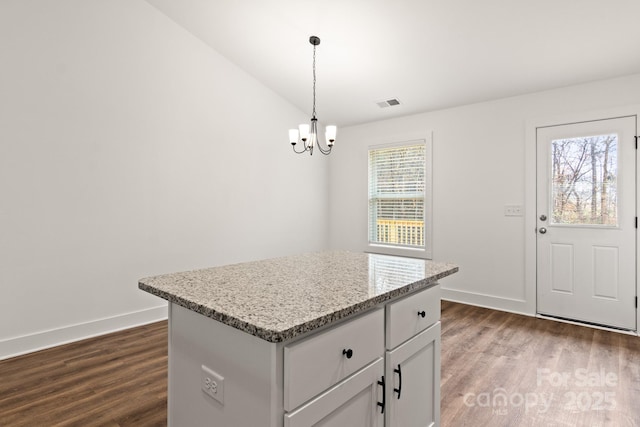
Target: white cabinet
[411, 369]
[413, 381]
[329, 378]
[412, 360]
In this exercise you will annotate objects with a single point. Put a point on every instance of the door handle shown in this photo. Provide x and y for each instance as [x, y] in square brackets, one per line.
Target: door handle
[542, 230]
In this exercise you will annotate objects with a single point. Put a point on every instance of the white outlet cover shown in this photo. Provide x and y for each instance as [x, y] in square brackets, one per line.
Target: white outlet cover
[212, 384]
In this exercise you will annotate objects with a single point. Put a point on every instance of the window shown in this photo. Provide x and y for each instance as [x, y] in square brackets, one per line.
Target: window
[585, 180]
[398, 192]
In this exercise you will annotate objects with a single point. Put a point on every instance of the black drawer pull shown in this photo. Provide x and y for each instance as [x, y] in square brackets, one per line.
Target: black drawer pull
[422, 313]
[348, 352]
[381, 404]
[399, 372]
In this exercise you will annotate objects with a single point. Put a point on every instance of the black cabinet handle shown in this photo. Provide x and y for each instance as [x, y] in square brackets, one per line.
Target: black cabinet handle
[347, 352]
[422, 313]
[381, 404]
[399, 389]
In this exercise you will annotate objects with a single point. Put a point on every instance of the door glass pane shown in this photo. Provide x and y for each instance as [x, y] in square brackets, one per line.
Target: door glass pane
[584, 180]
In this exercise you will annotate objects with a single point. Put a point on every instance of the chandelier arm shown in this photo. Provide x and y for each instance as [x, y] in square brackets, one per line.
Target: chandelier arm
[299, 152]
[305, 148]
[324, 151]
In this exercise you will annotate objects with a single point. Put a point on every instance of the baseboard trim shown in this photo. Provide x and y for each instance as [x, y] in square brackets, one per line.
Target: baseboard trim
[18, 346]
[488, 301]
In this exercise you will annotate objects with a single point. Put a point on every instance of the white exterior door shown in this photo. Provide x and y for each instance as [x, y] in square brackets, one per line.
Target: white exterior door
[586, 222]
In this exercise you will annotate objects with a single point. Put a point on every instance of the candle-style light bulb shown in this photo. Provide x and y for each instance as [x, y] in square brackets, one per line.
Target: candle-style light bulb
[304, 131]
[330, 134]
[293, 136]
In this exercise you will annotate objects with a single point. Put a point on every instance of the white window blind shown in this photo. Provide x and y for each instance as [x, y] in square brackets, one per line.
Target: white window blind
[397, 195]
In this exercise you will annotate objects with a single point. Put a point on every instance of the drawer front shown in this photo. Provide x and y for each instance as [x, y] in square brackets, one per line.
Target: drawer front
[322, 360]
[351, 403]
[404, 317]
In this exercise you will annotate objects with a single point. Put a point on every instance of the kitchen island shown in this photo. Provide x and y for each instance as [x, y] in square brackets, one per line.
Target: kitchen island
[313, 339]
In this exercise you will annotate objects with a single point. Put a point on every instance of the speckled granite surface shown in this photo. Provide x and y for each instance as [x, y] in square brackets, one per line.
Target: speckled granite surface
[281, 298]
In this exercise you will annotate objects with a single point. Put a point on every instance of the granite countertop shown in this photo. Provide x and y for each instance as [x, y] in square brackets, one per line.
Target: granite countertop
[281, 298]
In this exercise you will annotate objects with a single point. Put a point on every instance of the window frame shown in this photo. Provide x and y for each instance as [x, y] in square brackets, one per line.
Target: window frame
[425, 251]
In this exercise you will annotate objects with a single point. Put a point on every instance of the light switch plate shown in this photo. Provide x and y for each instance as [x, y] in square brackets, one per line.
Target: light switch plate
[513, 210]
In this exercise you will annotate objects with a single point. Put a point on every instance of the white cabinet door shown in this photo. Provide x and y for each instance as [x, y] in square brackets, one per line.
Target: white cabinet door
[413, 381]
[352, 402]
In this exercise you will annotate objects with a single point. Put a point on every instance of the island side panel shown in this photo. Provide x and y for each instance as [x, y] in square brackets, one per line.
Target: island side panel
[250, 366]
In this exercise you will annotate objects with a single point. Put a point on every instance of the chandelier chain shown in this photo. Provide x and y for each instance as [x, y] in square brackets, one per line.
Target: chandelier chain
[314, 81]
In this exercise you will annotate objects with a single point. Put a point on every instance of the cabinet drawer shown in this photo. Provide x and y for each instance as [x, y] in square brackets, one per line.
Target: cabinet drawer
[404, 317]
[316, 363]
[351, 403]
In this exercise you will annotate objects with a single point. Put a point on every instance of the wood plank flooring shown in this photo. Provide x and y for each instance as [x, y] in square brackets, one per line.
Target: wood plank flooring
[501, 369]
[118, 379]
[498, 369]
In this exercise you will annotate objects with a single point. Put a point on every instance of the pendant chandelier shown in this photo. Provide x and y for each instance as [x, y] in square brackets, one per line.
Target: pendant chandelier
[308, 133]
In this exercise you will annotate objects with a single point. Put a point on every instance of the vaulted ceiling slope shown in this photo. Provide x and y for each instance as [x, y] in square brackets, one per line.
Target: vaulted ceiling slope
[429, 54]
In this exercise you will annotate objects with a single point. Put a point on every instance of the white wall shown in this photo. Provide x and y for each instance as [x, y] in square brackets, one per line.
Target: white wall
[479, 167]
[128, 148]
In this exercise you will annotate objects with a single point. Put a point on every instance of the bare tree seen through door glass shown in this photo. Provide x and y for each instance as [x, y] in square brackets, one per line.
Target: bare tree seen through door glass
[584, 180]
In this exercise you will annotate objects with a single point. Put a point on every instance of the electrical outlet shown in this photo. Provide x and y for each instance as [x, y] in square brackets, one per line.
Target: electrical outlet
[212, 384]
[513, 210]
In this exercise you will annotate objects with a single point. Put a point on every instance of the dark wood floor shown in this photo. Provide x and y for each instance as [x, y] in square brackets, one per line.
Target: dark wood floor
[118, 379]
[498, 369]
[501, 369]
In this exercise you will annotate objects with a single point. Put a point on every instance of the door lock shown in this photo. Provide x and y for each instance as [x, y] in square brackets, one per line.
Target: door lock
[543, 217]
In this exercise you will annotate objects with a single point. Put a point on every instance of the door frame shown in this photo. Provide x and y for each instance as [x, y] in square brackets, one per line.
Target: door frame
[530, 214]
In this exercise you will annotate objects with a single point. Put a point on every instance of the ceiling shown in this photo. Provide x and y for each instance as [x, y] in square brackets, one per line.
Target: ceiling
[429, 54]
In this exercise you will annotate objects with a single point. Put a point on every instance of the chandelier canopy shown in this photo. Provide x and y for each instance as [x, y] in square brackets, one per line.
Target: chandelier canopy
[308, 133]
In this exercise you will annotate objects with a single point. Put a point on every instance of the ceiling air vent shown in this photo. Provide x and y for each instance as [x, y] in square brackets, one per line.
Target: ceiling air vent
[388, 103]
